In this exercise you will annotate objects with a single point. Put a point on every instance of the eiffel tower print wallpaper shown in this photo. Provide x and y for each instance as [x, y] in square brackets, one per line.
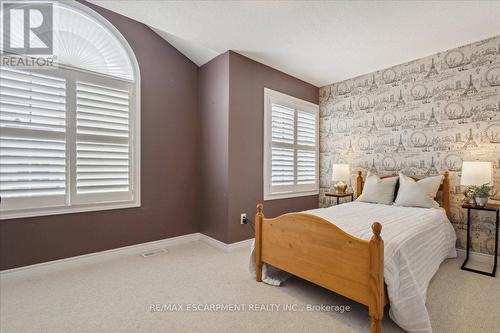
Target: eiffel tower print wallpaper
[422, 118]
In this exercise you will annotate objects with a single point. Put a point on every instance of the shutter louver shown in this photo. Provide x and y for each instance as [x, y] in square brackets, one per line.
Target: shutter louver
[102, 147]
[101, 111]
[102, 167]
[306, 167]
[282, 168]
[32, 102]
[306, 128]
[32, 167]
[306, 157]
[282, 124]
[32, 141]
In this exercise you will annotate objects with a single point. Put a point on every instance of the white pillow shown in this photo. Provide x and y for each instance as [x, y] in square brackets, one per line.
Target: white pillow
[377, 190]
[420, 193]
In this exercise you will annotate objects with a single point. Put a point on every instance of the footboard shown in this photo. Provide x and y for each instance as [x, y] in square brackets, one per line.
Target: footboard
[318, 251]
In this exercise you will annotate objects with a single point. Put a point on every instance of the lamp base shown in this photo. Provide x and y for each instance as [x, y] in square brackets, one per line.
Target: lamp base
[340, 187]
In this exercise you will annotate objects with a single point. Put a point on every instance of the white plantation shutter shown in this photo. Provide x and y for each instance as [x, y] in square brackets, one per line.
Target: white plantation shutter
[102, 111]
[290, 146]
[33, 102]
[282, 166]
[102, 143]
[306, 155]
[282, 156]
[66, 143]
[32, 172]
[306, 167]
[32, 139]
[283, 124]
[102, 168]
[306, 128]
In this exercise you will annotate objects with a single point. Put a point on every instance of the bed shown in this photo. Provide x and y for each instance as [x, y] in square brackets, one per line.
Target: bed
[342, 249]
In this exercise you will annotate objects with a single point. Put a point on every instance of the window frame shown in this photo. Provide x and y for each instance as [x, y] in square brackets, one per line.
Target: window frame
[72, 203]
[295, 190]
[134, 123]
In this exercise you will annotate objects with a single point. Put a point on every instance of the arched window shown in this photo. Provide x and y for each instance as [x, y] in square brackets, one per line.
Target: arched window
[70, 134]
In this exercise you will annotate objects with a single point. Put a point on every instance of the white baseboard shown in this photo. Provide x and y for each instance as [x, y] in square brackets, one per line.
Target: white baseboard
[241, 244]
[226, 247]
[476, 256]
[135, 250]
[112, 253]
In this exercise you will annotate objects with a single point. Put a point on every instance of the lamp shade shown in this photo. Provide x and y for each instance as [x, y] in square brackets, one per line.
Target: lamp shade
[476, 173]
[341, 172]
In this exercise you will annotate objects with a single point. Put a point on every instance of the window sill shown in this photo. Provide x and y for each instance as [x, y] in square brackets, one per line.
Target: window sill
[277, 196]
[6, 215]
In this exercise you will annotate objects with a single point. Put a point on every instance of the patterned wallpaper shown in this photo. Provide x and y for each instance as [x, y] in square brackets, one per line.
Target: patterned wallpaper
[421, 117]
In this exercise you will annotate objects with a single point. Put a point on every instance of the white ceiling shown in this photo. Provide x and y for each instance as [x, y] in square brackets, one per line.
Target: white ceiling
[320, 42]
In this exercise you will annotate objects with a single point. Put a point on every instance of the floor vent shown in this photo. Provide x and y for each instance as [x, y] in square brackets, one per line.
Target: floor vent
[154, 253]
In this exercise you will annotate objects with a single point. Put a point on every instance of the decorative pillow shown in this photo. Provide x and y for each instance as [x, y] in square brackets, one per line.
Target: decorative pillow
[377, 190]
[420, 193]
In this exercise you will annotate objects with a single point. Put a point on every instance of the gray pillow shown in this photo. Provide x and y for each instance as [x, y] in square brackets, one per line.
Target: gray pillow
[421, 193]
[377, 190]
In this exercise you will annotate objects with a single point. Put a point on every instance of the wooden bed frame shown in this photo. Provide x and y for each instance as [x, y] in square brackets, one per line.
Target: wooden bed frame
[318, 251]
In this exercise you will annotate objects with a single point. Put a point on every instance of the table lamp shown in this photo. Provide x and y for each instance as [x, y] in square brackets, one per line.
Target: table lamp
[476, 175]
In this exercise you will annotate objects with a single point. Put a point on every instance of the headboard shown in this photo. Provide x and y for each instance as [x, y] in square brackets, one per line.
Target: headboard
[443, 197]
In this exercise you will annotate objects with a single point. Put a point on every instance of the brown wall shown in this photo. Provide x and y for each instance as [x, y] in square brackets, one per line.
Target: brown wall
[170, 170]
[247, 80]
[231, 94]
[214, 111]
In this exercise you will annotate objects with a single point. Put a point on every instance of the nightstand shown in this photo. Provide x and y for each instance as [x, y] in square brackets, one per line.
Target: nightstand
[490, 208]
[340, 195]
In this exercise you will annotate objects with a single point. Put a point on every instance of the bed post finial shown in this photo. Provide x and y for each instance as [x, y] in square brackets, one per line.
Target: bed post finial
[260, 208]
[376, 228]
[376, 282]
[259, 218]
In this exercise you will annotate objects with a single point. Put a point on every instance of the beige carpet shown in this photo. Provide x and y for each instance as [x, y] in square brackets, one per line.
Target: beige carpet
[115, 296]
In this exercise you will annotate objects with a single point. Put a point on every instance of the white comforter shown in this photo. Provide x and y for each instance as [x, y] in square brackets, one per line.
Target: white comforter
[416, 241]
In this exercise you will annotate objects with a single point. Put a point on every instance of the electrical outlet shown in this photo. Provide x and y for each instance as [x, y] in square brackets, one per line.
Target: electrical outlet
[243, 218]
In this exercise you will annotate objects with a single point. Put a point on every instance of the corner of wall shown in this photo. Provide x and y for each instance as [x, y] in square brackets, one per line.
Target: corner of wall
[213, 95]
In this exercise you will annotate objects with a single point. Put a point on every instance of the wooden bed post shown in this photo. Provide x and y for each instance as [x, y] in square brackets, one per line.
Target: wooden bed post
[377, 293]
[359, 184]
[259, 217]
[446, 194]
